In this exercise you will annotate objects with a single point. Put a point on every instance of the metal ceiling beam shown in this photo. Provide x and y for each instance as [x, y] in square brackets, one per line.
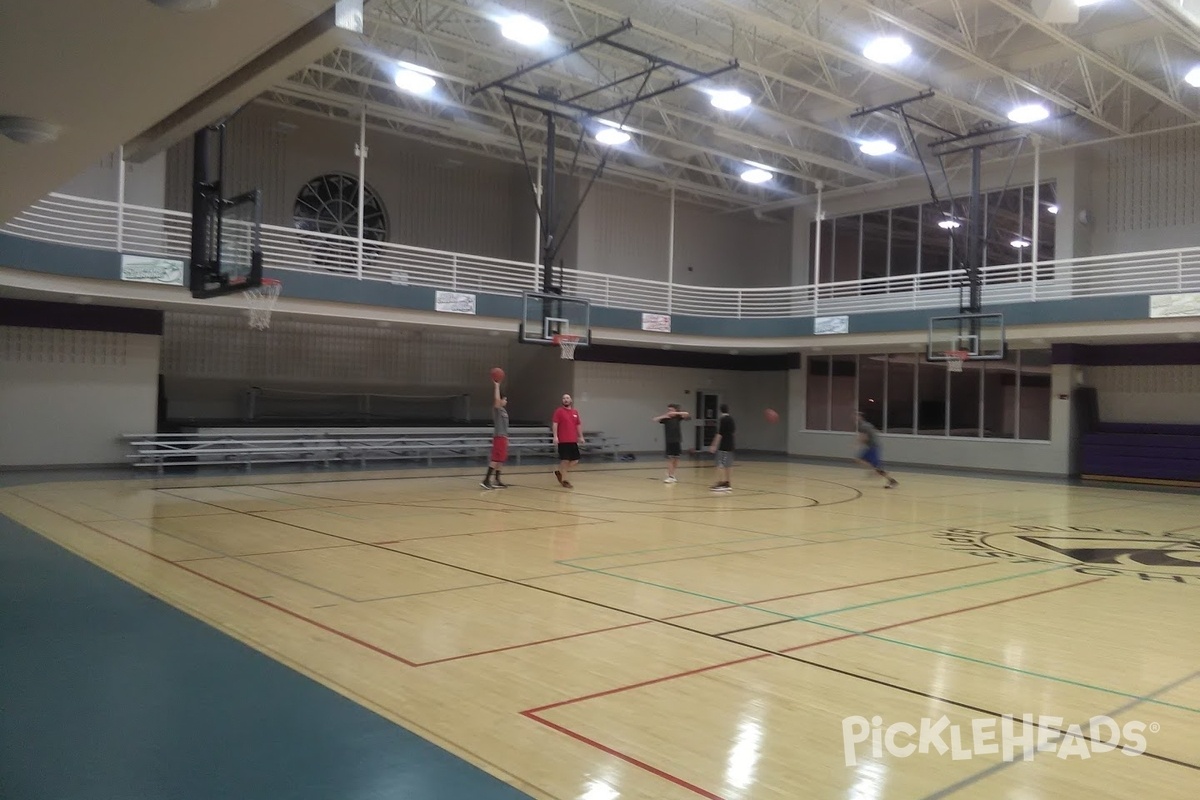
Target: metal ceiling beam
[1143, 85]
[390, 115]
[699, 148]
[857, 59]
[322, 95]
[982, 63]
[787, 151]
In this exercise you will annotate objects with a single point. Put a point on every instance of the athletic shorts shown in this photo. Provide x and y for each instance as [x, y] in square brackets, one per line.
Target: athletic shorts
[724, 459]
[499, 449]
[674, 449]
[870, 455]
[568, 451]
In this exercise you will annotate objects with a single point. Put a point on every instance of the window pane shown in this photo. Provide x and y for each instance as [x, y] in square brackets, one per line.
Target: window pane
[1034, 395]
[1048, 199]
[875, 247]
[906, 225]
[964, 399]
[931, 399]
[1002, 227]
[871, 370]
[845, 369]
[935, 240]
[1000, 397]
[817, 401]
[900, 370]
[846, 249]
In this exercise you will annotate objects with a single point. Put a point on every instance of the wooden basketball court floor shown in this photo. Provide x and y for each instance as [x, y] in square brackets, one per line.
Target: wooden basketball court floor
[635, 639]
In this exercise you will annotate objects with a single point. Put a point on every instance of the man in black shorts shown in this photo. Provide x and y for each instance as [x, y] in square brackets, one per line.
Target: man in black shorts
[567, 431]
[723, 446]
[672, 422]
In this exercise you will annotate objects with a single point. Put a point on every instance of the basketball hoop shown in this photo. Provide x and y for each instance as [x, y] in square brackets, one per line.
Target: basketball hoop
[261, 301]
[568, 342]
[955, 359]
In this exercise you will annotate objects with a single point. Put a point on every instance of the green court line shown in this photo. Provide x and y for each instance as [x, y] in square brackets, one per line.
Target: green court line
[809, 619]
[799, 536]
[753, 607]
[1018, 670]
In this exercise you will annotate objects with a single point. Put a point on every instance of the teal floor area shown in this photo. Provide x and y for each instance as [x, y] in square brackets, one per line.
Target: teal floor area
[107, 693]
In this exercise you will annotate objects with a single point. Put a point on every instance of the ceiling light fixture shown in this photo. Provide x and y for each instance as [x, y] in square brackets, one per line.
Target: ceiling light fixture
[27, 130]
[878, 147]
[949, 224]
[612, 136]
[523, 30]
[756, 175]
[887, 50]
[1019, 243]
[1053, 209]
[410, 80]
[1193, 77]
[1023, 115]
[729, 100]
[185, 5]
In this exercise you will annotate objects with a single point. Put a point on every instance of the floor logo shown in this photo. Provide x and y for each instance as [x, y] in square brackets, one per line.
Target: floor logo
[1093, 551]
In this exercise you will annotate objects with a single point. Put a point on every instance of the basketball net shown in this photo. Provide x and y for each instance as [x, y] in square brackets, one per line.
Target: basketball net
[568, 343]
[955, 359]
[261, 302]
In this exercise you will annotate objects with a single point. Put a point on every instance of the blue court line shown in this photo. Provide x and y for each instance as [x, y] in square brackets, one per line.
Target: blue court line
[1003, 765]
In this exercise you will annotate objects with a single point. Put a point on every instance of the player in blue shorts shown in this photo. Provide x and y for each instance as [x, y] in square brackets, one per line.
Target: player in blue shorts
[868, 434]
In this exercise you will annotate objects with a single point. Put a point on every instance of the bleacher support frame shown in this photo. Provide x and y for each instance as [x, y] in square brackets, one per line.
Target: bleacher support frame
[326, 447]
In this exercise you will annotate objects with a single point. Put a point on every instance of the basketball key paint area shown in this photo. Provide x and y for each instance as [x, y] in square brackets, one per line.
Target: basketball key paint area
[494, 648]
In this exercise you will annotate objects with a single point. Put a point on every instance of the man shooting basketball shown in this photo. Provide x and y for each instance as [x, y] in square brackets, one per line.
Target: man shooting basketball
[499, 438]
[672, 422]
[567, 432]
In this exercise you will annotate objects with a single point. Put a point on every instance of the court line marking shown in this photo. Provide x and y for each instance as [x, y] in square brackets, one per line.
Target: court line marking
[612, 608]
[372, 647]
[793, 617]
[1003, 765]
[644, 619]
[832, 589]
[448, 565]
[535, 713]
[810, 618]
[797, 542]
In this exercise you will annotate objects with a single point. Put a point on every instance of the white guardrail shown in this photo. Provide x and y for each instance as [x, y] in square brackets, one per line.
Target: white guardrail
[141, 230]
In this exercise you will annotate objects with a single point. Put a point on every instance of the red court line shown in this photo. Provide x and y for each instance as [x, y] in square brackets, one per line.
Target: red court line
[630, 759]
[832, 589]
[335, 631]
[533, 712]
[531, 644]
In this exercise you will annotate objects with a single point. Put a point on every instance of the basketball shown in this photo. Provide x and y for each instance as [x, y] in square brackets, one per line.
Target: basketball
[772, 415]
[497, 374]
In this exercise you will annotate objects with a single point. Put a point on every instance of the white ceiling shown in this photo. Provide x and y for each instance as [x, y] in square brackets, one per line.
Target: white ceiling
[107, 70]
[156, 75]
[1120, 70]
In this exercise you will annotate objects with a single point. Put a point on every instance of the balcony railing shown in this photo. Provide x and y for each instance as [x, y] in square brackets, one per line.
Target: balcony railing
[132, 229]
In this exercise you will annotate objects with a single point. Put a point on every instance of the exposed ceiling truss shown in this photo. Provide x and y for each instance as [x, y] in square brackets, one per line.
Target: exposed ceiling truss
[1118, 70]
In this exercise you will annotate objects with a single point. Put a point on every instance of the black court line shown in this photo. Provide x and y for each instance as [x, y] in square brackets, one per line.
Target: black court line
[836, 670]
[1003, 765]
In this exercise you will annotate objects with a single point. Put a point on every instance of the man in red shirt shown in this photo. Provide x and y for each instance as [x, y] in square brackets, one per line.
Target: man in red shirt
[566, 430]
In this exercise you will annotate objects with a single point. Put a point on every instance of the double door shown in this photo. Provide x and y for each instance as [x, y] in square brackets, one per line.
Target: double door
[707, 411]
